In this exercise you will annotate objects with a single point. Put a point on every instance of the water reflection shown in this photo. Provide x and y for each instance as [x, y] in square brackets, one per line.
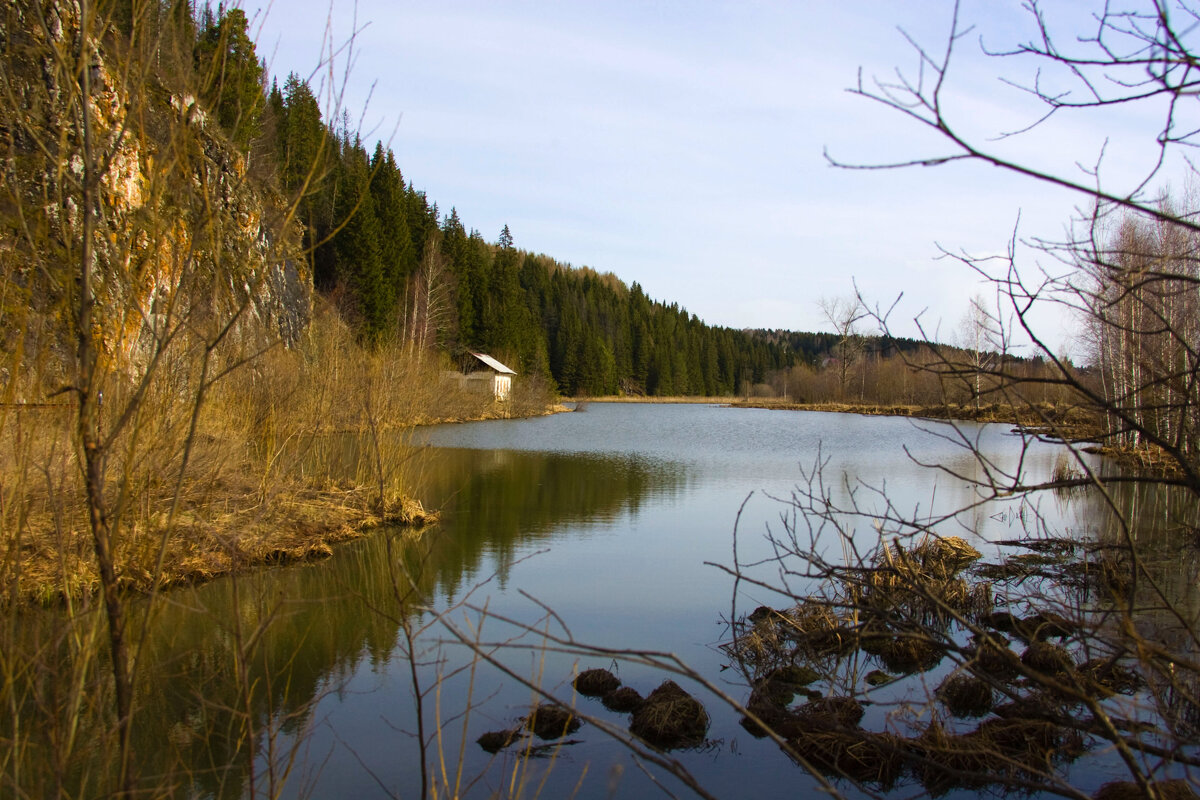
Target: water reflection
[629, 502]
[231, 673]
[1161, 523]
[500, 503]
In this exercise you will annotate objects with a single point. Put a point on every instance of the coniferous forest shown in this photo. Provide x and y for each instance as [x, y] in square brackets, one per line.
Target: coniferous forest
[399, 270]
[398, 267]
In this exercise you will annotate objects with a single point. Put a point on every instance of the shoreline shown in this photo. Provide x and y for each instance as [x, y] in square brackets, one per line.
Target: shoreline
[1075, 423]
[671, 400]
[232, 526]
[231, 532]
[237, 527]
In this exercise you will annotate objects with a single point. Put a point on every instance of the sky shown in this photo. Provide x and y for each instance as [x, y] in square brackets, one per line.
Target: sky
[682, 144]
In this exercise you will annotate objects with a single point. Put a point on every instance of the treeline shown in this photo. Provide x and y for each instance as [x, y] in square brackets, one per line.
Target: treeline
[1143, 328]
[814, 349]
[401, 272]
[926, 375]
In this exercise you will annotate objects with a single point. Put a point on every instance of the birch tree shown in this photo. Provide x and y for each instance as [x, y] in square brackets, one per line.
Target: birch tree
[844, 315]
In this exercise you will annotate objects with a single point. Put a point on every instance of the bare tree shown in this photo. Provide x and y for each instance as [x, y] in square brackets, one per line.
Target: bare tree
[981, 335]
[1130, 256]
[1130, 276]
[428, 311]
[153, 268]
[844, 315]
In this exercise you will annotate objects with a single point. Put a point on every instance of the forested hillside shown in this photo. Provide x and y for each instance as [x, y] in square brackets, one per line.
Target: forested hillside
[397, 268]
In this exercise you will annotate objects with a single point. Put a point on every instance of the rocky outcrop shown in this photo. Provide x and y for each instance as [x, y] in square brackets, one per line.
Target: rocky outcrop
[188, 243]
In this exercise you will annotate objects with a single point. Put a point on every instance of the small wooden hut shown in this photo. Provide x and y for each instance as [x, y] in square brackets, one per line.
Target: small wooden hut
[488, 376]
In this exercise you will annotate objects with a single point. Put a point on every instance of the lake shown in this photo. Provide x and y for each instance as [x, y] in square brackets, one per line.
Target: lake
[607, 528]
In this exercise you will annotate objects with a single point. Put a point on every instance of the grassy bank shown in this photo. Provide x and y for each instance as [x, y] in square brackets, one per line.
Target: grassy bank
[277, 462]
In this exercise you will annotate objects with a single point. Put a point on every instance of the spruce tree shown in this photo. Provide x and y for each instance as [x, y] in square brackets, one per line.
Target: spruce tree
[359, 261]
[395, 245]
[230, 73]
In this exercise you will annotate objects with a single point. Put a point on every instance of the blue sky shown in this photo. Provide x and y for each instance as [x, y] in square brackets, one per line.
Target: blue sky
[680, 144]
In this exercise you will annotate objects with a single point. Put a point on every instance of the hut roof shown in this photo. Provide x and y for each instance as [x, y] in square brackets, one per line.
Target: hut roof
[494, 364]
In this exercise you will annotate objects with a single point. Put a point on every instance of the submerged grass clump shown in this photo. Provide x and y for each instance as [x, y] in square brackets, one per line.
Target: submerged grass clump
[625, 699]
[1128, 790]
[1105, 676]
[495, 741]
[940, 556]
[992, 659]
[903, 650]
[670, 718]
[966, 696]
[596, 682]
[921, 584]
[860, 755]
[770, 640]
[1048, 659]
[552, 721]
[998, 748]
[1022, 675]
[815, 628]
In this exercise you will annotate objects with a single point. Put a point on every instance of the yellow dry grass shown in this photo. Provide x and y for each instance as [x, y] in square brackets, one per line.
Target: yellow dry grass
[288, 455]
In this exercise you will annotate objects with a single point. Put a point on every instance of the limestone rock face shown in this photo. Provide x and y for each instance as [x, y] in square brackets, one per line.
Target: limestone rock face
[185, 243]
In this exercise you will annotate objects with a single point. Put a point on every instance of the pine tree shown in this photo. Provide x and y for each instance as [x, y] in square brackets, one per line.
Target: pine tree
[359, 262]
[231, 74]
[302, 137]
[303, 153]
[395, 245]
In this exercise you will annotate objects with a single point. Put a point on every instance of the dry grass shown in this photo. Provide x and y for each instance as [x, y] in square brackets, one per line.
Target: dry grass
[596, 682]
[231, 528]
[939, 556]
[769, 640]
[289, 454]
[551, 721]
[670, 718]
[920, 584]
[998, 747]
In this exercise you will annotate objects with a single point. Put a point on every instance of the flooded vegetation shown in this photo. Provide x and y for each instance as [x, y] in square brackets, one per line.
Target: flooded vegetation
[1021, 695]
[988, 673]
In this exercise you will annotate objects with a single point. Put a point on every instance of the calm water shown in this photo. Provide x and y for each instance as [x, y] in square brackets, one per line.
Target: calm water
[613, 519]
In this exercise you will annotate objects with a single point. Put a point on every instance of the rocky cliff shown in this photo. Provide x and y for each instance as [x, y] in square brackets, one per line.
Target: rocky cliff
[189, 246]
